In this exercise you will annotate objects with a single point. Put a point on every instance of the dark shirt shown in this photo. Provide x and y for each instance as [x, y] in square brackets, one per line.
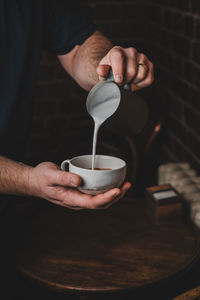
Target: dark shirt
[26, 27]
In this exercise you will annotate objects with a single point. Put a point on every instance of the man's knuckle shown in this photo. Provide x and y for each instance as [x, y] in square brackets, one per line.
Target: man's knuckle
[117, 48]
[143, 58]
[131, 71]
[143, 55]
[132, 52]
[118, 54]
[149, 80]
[140, 78]
[64, 178]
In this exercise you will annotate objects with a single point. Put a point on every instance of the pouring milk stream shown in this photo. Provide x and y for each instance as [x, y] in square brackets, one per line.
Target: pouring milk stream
[102, 101]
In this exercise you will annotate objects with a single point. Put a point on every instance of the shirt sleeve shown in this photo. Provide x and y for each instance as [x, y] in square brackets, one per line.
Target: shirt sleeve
[65, 26]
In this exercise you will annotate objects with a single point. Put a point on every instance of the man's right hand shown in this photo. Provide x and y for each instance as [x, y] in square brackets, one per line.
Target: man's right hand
[47, 181]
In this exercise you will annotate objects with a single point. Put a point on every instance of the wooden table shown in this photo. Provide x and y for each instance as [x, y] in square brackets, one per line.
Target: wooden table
[110, 251]
[193, 294]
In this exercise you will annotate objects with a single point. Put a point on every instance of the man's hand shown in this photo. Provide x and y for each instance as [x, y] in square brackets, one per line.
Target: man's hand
[90, 62]
[128, 66]
[47, 181]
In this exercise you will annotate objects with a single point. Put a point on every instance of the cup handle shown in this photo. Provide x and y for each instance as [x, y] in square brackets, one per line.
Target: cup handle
[64, 163]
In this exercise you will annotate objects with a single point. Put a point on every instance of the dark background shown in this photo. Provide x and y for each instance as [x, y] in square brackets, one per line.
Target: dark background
[168, 32]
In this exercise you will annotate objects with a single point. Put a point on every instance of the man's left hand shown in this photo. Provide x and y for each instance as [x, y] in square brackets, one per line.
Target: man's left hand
[128, 66]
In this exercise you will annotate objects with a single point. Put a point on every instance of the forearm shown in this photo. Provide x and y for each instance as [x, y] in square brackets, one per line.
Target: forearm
[84, 60]
[14, 177]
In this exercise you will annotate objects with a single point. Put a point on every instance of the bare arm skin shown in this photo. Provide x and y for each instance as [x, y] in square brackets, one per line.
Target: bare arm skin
[81, 63]
[14, 177]
[90, 63]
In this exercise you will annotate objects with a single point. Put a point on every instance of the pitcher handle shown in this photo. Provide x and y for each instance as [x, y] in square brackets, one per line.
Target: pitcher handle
[110, 77]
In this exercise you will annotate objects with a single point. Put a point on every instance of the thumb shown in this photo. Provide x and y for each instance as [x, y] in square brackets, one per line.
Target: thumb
[102, 71]
[64, 178]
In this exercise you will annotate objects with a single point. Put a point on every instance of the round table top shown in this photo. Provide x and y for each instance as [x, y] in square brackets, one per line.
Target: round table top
[112, 250]
[193, 294]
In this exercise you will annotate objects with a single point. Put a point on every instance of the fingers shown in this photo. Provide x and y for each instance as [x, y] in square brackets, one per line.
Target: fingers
[101, 200]
[128, 66]
[76, 200]
[63, 204]
[63, 178]
[148, 79]
[131, 64]
[79, 200]
[117, 60]
[124, 189]
[102, 71]
[142, 70]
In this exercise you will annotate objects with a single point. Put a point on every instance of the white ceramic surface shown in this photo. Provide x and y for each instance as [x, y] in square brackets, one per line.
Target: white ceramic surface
[97, 181]
[102, 101]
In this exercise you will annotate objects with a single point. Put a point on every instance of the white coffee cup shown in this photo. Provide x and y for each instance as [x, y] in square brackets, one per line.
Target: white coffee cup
[97, 181]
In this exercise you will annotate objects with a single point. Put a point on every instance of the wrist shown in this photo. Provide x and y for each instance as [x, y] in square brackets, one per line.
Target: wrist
[32, 184]
[28, 182]
[22, 184]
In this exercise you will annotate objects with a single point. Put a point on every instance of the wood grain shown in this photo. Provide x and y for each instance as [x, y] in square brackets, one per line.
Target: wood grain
[103, 251]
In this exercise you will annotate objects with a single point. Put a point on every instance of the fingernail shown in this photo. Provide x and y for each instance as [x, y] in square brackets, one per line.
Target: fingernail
[74, 181]
[118, 78]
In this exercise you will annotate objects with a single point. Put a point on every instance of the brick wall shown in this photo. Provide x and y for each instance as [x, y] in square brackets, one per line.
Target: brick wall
[174, 42]
[59, 101]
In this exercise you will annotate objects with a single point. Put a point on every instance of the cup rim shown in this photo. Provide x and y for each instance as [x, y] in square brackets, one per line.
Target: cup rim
[98, 155]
